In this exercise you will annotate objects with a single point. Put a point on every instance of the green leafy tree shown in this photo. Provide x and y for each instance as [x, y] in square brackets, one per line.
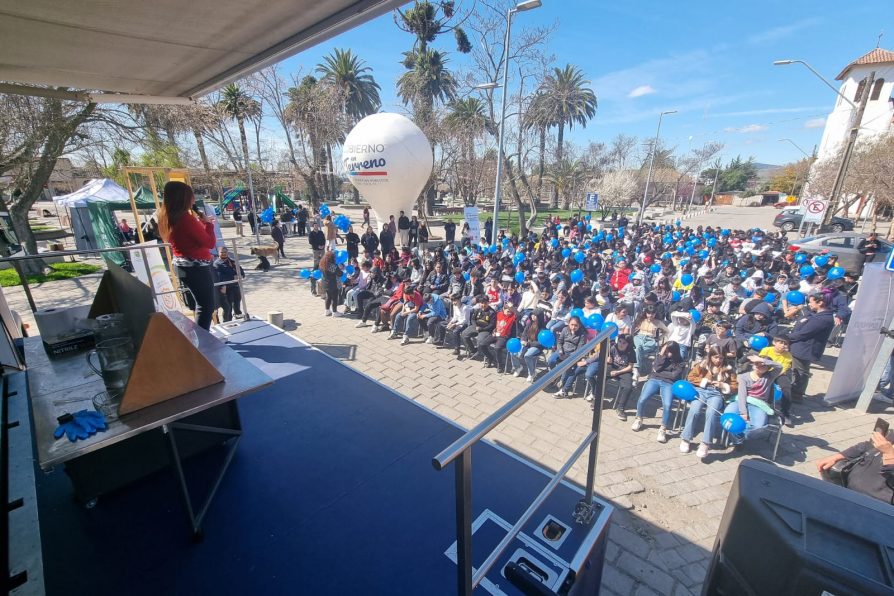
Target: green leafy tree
[737, 176]
[236, 104]
[346, 70]
[564, 99]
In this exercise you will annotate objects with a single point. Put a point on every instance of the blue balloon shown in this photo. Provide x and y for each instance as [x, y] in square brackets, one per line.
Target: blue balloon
[587, 216]
[676, 296]
[577, 276]
[756, 239]
[518, 258]
[732, 423]
[344, 277]
[566, 252]
[655, 268]
[547, 339]
[350, 270]
[492, 249]
[777, 392]
[807, 271]
[609, 237]
[743, 274]
[580, 257]
[796, 298]
[800, 258]
[305, 274]
[696, 316]
[554, 242]
[690, 251]
[595, 321]
[466, 275]
[684, 262]
[770, 298]
[317, 274]
[505, 242]
[612, 328]
[324, 210]
[758, 342]
[724, 232]
[577, 312]
[686, 279]
[341, 256]
[703, 254]
[712, 242]
[684, 390]
[835, 273]
[821, 261]
[520, 277]
[696, 241]
[589, 228]
[666, 256]
[514, 345]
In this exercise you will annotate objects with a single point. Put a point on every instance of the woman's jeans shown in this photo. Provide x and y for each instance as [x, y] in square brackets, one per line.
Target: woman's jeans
[645, 346]
[709, 402]
[529, 356]
[569, 377]
[200, 297]
[757, 419]
[652, 387]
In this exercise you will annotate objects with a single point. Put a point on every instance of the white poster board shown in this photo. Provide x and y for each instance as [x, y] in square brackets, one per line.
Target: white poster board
[591, 202]
[160, 281]
[471, 216]
[872, 312]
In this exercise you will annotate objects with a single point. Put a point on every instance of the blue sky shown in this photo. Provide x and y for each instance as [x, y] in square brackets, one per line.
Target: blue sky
[710, 61]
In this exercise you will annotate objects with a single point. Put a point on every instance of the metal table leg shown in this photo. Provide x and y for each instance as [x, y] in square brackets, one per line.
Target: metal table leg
[233, 435]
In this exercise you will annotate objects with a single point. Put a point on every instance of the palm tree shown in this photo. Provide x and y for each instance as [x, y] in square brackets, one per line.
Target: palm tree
[564, 98]
[537, 118]
[238, 105]
[347, 71]
[567, 177]
[427, 81]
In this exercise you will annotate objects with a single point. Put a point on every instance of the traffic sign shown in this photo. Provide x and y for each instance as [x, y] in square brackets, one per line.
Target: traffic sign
[592, 202]
[814, 210]
[889, 264]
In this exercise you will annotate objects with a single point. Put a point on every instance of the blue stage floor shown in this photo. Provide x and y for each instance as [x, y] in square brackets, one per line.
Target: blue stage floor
[331, 491]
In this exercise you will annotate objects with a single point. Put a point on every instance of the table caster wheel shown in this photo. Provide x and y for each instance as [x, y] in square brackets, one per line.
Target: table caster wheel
[91, 504]
[198, 536]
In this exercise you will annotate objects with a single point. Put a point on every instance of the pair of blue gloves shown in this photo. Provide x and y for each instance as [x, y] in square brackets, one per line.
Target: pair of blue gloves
[79, 425]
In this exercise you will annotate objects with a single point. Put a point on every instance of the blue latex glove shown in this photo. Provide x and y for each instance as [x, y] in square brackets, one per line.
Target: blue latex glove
[79, 425]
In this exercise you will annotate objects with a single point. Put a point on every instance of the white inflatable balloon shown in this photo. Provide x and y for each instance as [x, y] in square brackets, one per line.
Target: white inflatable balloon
[388, 160]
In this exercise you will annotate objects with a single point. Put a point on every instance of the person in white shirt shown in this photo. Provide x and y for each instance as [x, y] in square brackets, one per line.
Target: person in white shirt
[362, 282]
[620, 318]
[680, 330]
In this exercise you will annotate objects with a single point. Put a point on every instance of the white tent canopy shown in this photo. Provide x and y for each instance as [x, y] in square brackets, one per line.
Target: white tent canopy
[102, 189]
[164, 48]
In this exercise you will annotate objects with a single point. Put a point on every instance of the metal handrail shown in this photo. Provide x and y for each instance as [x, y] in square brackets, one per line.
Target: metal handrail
[461, 450]
[474, 435]
[130, 248]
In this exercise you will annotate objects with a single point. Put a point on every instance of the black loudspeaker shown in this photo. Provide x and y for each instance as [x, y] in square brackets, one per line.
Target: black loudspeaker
[784, 533]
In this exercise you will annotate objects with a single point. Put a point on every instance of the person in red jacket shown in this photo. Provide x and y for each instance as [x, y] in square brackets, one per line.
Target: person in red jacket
[191, 237]
[495, 348]
[621, 276]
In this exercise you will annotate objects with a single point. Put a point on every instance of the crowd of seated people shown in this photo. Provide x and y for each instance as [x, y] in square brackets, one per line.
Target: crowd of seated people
[732, 311]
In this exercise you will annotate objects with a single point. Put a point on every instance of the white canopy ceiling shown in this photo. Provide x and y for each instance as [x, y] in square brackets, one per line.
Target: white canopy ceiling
[165, 48]
[101, 189]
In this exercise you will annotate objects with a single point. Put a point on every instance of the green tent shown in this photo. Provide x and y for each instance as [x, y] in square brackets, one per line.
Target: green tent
[105, 230]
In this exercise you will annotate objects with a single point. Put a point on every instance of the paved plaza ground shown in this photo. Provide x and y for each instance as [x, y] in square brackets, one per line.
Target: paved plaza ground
[669, 504]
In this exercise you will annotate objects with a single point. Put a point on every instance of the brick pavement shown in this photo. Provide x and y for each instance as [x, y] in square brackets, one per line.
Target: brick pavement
[669, 504]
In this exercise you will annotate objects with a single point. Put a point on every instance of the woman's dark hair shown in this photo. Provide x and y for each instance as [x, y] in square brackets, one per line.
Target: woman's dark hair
[176, 198]
[674, 348]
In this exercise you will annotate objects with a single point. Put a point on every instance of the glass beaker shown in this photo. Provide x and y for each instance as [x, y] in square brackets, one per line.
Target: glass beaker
[110, 326]
[115, 361]
[107, 404]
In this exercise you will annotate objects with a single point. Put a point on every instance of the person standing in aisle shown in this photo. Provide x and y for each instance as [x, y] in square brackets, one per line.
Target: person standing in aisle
[403, 228]
[229, 295]
[317, 241]
[277, 234]
[237, 218]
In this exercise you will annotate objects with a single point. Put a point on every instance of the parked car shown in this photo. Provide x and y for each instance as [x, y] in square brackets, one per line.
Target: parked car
[843, 245]
[790, 219]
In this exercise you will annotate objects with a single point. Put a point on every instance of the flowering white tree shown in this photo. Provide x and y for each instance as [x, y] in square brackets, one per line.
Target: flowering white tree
[616, 189]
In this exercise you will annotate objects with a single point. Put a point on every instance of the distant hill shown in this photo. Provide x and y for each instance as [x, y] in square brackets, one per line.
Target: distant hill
[765, 171]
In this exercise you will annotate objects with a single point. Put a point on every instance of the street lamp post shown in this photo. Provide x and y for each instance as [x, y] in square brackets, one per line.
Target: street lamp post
[642, 208]
[856, 121]
[520, 7]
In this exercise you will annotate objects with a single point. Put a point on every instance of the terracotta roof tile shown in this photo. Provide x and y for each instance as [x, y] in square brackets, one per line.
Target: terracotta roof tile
[876, 56]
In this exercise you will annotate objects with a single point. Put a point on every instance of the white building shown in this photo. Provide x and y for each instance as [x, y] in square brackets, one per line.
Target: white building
[879, 115]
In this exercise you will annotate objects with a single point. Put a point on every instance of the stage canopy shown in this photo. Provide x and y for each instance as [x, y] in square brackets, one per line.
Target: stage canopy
[165, 48]
[108, 192]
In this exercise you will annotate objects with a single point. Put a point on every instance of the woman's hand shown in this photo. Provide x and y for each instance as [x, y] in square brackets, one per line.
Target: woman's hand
[880, 442]
[828, 462]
